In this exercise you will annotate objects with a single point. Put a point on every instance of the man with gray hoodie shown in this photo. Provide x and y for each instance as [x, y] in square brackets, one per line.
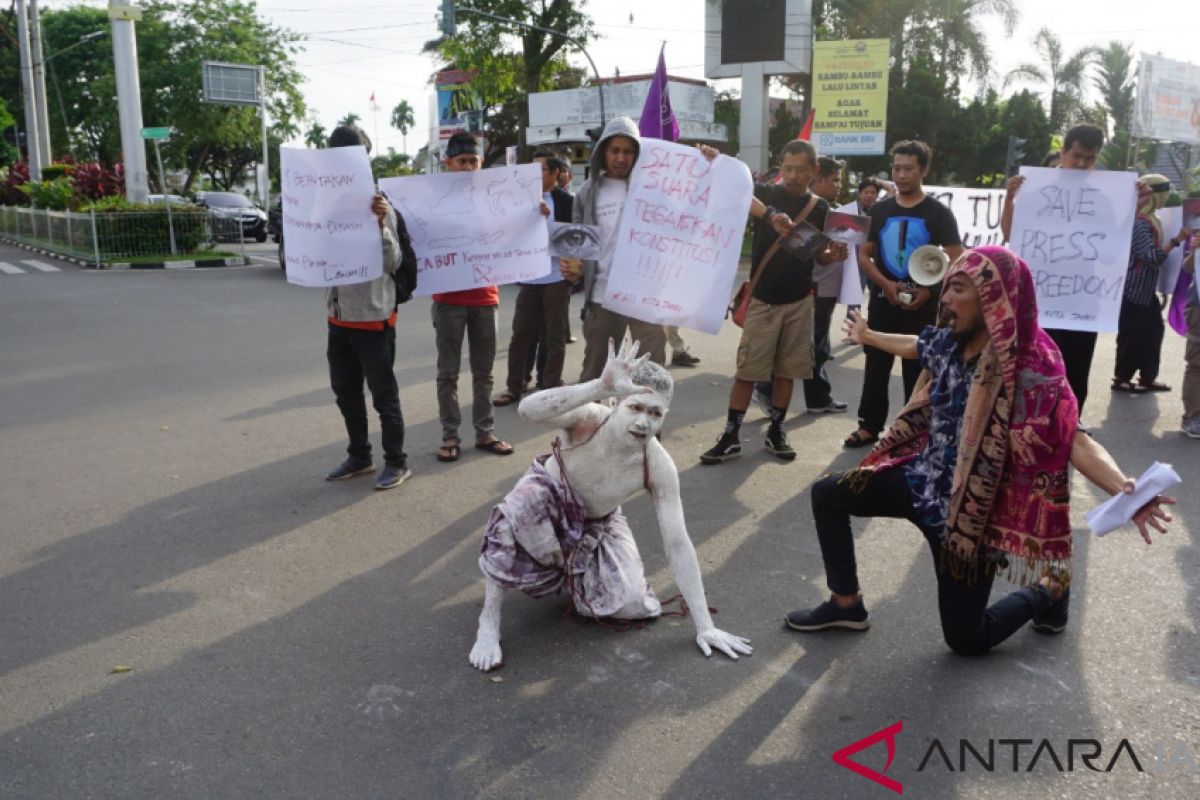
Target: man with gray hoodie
[600, 202]
[362, 347]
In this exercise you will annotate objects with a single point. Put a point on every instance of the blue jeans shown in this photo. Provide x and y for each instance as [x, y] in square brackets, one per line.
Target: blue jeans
[969, 625]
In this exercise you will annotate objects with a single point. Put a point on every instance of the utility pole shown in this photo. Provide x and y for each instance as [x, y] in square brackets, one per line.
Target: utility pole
[264, 184]
[129, 98]
[32, 138]
[38, 75]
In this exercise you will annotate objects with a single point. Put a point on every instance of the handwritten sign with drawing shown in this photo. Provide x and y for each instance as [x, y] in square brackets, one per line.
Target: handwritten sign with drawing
[1073, 228]
[332, 235]
[680, 237]
[472, 229]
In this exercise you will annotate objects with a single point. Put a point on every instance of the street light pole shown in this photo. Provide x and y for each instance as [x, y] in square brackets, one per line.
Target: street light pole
[40, 108]
[32, 138]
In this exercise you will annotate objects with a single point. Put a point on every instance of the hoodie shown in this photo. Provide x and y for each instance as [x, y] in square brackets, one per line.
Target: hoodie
[584, 209]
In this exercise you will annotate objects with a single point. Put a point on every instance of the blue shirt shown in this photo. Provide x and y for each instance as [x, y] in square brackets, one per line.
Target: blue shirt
[931, 474]
[555, 276]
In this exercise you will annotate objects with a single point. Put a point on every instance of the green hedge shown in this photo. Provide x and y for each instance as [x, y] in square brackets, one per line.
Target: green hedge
[147, 232]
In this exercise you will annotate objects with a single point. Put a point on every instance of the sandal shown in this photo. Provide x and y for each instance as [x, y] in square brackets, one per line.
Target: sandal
[857, 439]
[1127, 386]
[496, 447]
[450, 450]
[505, 399]
[1153, 386]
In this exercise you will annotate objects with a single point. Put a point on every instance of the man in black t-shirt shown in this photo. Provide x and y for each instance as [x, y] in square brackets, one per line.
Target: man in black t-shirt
[777, 337]
[899, 225]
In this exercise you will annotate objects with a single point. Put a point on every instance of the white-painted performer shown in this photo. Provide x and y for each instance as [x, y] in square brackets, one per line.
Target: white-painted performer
[561, 528]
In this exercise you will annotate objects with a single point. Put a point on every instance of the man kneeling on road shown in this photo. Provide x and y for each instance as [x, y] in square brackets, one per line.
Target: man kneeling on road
[977, 460]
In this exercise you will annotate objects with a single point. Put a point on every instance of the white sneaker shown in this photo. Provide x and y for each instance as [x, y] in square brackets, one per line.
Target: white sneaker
[1191, 427]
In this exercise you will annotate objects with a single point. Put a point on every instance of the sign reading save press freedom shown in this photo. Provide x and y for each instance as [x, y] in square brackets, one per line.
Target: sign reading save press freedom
[679, 237]
[1073, 228]
[473, 229]
[332, 235]
[850, 95]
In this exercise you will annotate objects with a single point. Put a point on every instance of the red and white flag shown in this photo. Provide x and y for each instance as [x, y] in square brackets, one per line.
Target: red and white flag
[374, 105]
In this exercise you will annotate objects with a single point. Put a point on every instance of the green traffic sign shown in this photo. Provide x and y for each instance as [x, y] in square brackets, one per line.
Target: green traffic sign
[156, 133]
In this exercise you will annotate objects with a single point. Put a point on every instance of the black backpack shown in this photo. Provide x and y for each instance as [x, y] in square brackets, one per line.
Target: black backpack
[405, 275]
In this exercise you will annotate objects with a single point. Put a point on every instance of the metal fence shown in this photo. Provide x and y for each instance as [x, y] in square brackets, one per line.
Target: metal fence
[102, 237]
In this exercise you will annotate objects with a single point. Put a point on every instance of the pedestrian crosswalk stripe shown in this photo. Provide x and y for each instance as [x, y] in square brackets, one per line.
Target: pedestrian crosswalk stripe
[40, 265]
[10, 269]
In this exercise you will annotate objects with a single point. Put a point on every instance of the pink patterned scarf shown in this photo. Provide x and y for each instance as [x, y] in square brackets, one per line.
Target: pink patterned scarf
[1011, 489]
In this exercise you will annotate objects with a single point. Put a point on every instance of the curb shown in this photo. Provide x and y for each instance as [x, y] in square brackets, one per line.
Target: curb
[203, 263]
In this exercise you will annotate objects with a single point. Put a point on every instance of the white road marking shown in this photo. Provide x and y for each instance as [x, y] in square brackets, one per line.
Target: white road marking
[10, 269]
[40, 265]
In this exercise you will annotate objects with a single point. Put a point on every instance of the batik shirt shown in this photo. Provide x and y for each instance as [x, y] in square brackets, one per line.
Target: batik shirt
[931, 474]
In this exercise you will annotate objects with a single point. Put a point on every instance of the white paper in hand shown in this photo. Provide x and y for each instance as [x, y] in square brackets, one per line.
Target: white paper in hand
[1119, 509]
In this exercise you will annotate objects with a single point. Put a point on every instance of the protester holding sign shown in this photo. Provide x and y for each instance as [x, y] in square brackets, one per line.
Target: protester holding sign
[1081, 147]
[777, 337]
[1140, 328]
[899, 225]
[469, 313]
[362, 346]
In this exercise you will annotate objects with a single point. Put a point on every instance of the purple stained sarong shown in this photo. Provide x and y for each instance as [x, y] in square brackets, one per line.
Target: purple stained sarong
[603, 571]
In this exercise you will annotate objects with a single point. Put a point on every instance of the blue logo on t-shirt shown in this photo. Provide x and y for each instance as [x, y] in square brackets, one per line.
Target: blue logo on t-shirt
[899, 237]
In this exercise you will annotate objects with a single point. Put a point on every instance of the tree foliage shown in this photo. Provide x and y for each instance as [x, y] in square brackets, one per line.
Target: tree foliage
[1063, 74]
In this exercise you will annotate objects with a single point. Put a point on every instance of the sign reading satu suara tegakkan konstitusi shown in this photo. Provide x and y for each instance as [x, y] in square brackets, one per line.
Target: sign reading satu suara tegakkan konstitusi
[850, 95]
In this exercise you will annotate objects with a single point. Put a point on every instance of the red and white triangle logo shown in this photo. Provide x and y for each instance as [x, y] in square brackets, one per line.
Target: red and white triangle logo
[888, 735]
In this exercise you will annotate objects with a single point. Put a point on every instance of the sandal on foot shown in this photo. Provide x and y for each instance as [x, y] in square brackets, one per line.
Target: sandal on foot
[495, 446]
[449, 451]
[1127, 386]
[857, 439]
[1153, 386]
[505, 399]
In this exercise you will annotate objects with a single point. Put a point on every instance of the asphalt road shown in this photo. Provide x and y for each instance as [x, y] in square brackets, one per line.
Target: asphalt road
[165, 436]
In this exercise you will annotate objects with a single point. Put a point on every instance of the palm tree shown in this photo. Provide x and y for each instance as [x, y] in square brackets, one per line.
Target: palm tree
[403, 121]
[1115, 81]
[316, 137]
[1063, 75]
[962, 41]
[350, 120]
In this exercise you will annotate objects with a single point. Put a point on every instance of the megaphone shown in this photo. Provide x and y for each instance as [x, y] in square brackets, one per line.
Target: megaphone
[928, 264]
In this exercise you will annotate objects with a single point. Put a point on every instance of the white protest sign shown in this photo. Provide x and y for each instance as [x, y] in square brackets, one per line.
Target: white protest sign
[473, 229]
[332, 235]
[1171, 220]
[977, 212]
[851, 291]
[680, 237]
[1073, 228]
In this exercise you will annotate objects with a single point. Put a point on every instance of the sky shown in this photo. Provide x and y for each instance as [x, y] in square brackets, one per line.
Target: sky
[354, 50]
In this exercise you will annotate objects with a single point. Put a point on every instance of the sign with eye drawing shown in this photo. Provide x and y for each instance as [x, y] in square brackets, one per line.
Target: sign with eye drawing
[680, 237]
[472, 229]
[570, 240]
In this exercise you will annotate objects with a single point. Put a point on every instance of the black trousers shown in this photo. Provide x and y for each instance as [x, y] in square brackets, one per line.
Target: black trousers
[356, 356]
[818, 391]
[1077, 348]
[877, 374]
[1140, 332]
[969, 625]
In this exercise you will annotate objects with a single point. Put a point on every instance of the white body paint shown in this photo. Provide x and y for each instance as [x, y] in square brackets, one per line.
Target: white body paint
[604, 449]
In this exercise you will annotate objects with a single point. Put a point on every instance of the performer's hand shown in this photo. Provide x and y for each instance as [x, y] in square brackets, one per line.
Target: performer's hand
[727, 643]
[1152, 514]
[855, 327]
[617, 378]
[571, 268]
[1014, 185]
[381, 208]
[782, 223]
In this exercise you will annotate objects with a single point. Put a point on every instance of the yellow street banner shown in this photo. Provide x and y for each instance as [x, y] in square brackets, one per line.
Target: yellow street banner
[850, 92]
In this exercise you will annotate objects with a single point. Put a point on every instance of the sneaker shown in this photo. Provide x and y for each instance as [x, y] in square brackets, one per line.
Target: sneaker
[727, 447]
[1191, 427]
[832, 407]
[1053, 620]
[829, 615]
[777, 444]
[349, 468]
[762, 399]
[684, 359]
[391, 477]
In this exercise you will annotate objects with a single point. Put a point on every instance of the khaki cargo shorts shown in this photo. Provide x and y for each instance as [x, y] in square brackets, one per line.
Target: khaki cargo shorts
[776, 340]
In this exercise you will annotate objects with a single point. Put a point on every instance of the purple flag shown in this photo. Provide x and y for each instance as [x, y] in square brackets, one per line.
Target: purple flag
[1177, 315]
[658, 120]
